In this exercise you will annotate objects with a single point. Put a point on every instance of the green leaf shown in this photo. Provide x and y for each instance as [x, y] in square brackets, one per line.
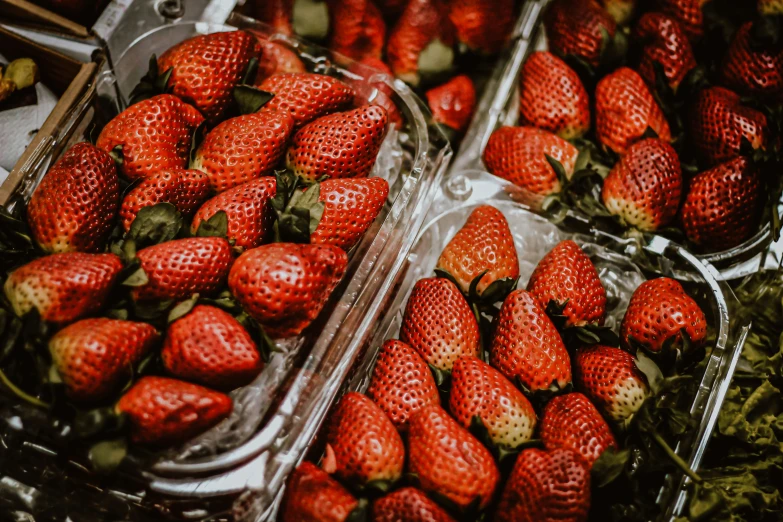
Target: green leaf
[195, 142]
[359, 513]
[137, 278]
[498, 290]
[150, 311]
[559, 170]
[251, 71]
[155, 224]
[473, 295]
[263, 342]
[182, 309]
[439, 272]
[650, 370]
[215, 226]
[250, 99]
[106, 456]
[310, 19]
[98, 421]
[442, 377]
[609, 466]
[117, 154]
[435, 60]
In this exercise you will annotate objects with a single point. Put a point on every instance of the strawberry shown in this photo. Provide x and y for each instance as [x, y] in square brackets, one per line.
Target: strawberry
[439, 324]
[164, 411]
[769, 7]
[566, 277]
[526, 346]
[572, 422]
[609, 377]
[723, 205]
[342, 145]
[688, 14]
[63, 287]
[277, 14]
[357, 29]
[484, 244]
[448, 460]
[206, 68]
[307, 96]
[385, 95]
[312, 495]
[452, 103]
[208, 346]
[752, 66]
[183, 267]
[552, 97]
[151, 136]
[546, 486]
[479, 390]
[621, 11]
[285, 286]
[363, 445]
[95, 357]
[483, 25]
[243, 148]
[247, 209]
[624, 110]
[644, 188]
[185, 189]
[580, 28]
[409, 505]
[401, 383]
[276, 58]
[664, 42]
[658, 312]
[719, 122]
[73, 208]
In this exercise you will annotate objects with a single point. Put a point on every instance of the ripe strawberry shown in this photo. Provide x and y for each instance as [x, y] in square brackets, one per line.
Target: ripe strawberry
[307, 96]
[580, 28]
[644, 188]
[151, 136]
[658, 311]
[385, 94]
[483, 244]
[719, 121]
[609, 377]
[312, 495]
[243, 148]
[769, 7]
[63, 287]
[479, 390]
[401, 383]
[247, 208]
[208, 346]
[526, 346]
[206, 68]
[95, 357]
[452, 103]
[664, 42]
[552, 97]
[164, 411]
[183, 267]
[753, 67]
[483, 25]
[185, 189]
[285, 286]
[357, 29]
[624, 109]
[448, 460]
[621, 11]
[571, 422]
[688, 14]
[74, 207]
[342, 145]
[439, 324]
[276, 58]
[723, 205]
[363, 443]
[276, 14]
[546, 485]
[409, 505]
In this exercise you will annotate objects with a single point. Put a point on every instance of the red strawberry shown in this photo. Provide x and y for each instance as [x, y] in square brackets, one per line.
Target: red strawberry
[609, 377]
[620, 10]
[452, 103]
[208, 346]
[483, 25]
[567, 277]
[307, 96]
[658, 311]
[483, 244]
[312, 495]
[546, 486]
[479, 390]
[357, 29]
[342, 145]
[63, 287]
[243, 148]
[401, 383]
[276, 58]
[362, 442]
[552, 97]
[409, 505]
[285, 286]
[151, 136]
[371, 71]
[723, 205]
[526, 345]
[448, 460]
[753, 67]
[645, 187]
[666, 43]
[276, 14]
[183, 267]
[206, 68]
[247, 209]
[769, 7]
[624, 110]
[580, 28]
[164, 411]
[688, 14]
[439, 324]
[571, 422]
[74, 207]
[95, 357]
[185, 189]
[719, 121]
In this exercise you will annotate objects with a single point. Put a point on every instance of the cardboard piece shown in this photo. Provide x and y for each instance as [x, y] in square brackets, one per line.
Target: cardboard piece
[35, 15]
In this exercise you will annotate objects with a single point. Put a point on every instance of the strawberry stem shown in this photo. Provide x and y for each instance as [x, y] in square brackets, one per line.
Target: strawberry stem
[676, 458]
[20, 393]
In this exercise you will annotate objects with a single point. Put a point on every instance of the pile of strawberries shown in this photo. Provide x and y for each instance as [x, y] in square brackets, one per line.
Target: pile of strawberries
[446, 428]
